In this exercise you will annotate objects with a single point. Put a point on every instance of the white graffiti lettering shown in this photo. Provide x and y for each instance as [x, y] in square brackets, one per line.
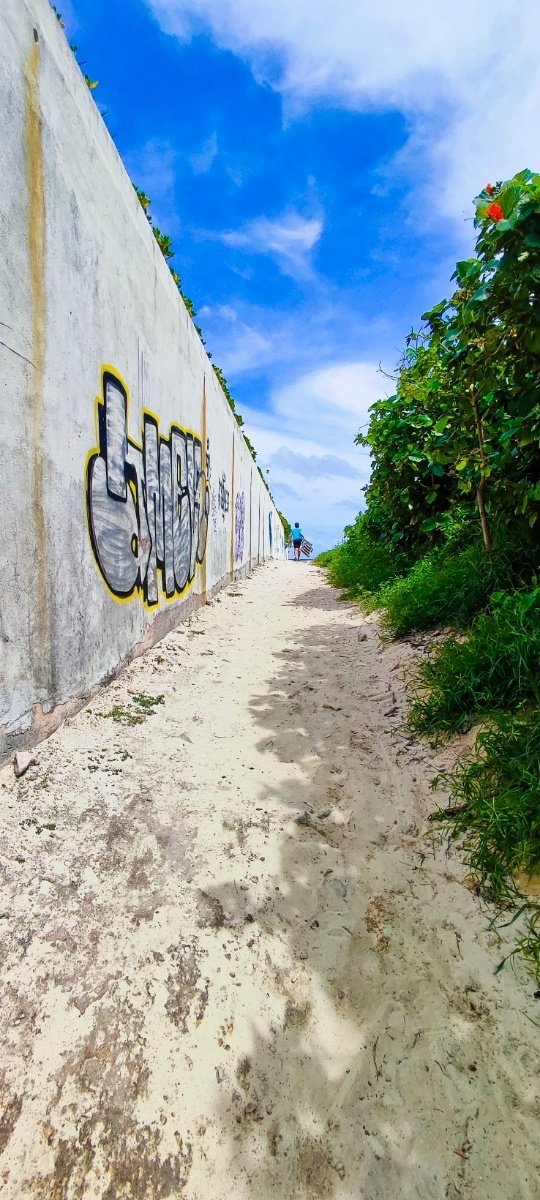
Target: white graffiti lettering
[147, 506]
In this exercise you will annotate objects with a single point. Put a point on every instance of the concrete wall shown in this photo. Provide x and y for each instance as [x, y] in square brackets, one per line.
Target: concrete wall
[127, 493]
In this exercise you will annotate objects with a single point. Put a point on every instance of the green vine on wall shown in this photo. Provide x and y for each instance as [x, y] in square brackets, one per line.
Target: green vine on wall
[287, 527]
[165, 244]
[91, 84]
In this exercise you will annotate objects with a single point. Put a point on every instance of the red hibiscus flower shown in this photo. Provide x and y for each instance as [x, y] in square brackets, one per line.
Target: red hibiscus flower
[495, 212]
[490, 189]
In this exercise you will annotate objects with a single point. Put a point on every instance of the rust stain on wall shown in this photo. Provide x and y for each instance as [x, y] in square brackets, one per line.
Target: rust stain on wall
[204, 437]
[36, 258]
[233, 493]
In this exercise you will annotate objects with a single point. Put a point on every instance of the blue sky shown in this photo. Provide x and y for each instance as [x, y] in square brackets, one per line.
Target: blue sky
[315, 164]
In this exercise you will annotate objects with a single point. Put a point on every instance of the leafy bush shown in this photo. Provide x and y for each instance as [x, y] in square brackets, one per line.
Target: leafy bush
[287, 527]
[362, 563]
[463, 428]
[495, 668]
[497, 790]
[449, 586]
[325, 558]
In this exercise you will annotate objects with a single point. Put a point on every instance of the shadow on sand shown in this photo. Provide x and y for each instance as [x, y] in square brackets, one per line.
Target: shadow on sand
[316, 1112]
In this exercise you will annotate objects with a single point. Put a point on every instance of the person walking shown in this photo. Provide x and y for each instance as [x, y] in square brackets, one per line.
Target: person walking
[297, 539]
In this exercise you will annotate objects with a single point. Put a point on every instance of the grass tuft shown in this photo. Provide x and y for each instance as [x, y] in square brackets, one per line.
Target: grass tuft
[447, 588]
[148, 703]
[363, 564]
[495, 810]
[495, 668]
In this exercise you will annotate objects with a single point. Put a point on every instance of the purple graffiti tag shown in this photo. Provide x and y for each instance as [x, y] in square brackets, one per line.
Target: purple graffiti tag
[239, 525]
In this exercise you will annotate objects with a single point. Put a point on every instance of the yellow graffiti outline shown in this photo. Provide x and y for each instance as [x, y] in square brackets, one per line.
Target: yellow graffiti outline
[138, 591]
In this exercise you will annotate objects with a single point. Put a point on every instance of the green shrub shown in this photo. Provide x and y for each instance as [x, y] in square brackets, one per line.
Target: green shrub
[363, 563]
[448, 587]
[495, 668]
[325, 558]
[497, 790]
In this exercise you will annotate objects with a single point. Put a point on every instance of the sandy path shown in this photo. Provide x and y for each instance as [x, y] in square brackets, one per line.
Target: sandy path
[204, 996]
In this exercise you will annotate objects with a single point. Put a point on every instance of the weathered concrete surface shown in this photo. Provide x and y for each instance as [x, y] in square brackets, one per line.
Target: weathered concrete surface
[127, 492]
[233, 967]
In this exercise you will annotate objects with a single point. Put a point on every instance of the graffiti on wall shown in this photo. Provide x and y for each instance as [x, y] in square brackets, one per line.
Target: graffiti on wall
[223, 495]
[213, 509]
[239, 525]
[147, 505]
[208, 466]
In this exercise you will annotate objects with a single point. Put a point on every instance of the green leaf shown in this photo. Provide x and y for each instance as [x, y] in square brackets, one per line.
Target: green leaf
[436, 311]
[431, 496]
[467, 269]
[482, 293]
[531, 597]
[509, 433]
[441, 424]
[508, 198]
[531, 338]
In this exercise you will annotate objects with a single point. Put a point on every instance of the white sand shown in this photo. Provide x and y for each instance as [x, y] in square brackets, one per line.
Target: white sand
[204, 998]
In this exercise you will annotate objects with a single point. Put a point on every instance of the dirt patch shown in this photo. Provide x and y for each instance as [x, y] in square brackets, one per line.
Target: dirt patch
[11, 1111]
[297, 1012]
[379, 913]
[316, 1172]
[210, 911]
[127, 1158]
[184, 994]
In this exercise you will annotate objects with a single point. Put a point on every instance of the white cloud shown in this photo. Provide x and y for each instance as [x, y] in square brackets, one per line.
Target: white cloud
[243, 346]
[311, 465]
[464, 73]
[202, 162]
[152, 168]
[245, 338]
[289, 240]
[312, 422]
[335, 398]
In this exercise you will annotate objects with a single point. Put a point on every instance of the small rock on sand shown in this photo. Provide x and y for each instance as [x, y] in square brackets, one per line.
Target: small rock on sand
[22, 760]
